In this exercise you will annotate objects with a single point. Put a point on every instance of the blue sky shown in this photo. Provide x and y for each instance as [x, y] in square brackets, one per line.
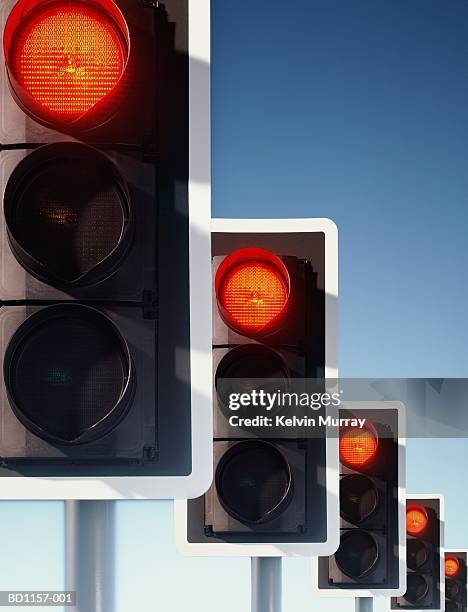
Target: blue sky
[355, 110]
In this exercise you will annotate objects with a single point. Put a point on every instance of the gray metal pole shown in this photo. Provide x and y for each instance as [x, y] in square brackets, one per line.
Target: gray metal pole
[90, 561]
[364, 604]
[266, 580]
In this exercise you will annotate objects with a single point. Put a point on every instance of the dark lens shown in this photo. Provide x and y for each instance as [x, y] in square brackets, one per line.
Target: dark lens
[250, 367]
[67, 214]
[417, 554]
[254, 481]
[67, 371]
[416, 588]
[358, 498]
[357, 554]
[452, 588]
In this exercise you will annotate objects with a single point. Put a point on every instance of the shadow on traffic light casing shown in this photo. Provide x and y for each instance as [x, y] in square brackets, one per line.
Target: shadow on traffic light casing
[95, 171]
[456, 596]
[268, 325]
[425, 579]
[369, 558]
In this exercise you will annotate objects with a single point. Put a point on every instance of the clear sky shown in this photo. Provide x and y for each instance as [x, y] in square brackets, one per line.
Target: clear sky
[355, 110]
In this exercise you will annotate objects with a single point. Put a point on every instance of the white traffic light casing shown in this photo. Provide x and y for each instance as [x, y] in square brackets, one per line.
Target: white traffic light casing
[371, 558]
[105, 249]
[456, 585]
[425, 532]
[274, 291]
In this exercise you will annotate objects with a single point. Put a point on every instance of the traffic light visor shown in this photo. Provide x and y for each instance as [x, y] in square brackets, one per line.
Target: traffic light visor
[74, 358]
[68, 214]
[254, 481]
[418, 588]
[358, 553]
[359, 498]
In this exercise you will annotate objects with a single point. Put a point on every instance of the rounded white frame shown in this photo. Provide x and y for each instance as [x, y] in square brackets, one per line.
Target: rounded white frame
[199, 480]
[341, 593]
[222, 549]
[442, 550]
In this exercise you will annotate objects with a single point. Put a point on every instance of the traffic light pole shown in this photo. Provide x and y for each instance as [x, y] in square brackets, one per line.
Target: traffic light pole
[364, 604]
[90, 561]
[266, 582]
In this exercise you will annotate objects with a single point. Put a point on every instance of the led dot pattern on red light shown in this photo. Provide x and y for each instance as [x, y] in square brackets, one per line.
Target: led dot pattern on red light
[452, 566]
[416, 520]
[357, 446]
[254, 293]
[67, 59]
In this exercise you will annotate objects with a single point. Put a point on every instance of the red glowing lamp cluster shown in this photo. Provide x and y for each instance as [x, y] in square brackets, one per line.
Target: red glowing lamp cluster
[358, 446]
[65, 57]
[452, 566]
[417, 519]
[252, 289]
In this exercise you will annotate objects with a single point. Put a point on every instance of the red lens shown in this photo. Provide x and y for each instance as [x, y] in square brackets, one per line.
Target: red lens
[417, 519]
[65, 57]
[358, 446]
[252, 288]
[452, 566]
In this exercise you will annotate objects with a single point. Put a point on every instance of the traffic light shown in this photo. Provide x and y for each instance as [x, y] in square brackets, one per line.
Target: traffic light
[104, 247]
[274, 330]
[370, 560]
[456, 597]
[425, 558]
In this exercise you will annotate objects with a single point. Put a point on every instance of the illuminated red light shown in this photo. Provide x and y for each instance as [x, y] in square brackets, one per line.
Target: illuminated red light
[65, 57]
[452, 566]
[252, 288]
[417, 519]
[358, 446]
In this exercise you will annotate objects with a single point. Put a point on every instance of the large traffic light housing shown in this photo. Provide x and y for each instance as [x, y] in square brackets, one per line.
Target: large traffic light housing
[425, 555]
[455, 570]
[104, 249]
[274, 328]
[370, 560]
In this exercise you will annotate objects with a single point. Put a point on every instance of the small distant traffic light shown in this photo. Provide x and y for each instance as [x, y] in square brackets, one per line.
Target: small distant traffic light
[100, 271]
[274, 324]
[370, 558]
[425, 557]
[455, 566]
